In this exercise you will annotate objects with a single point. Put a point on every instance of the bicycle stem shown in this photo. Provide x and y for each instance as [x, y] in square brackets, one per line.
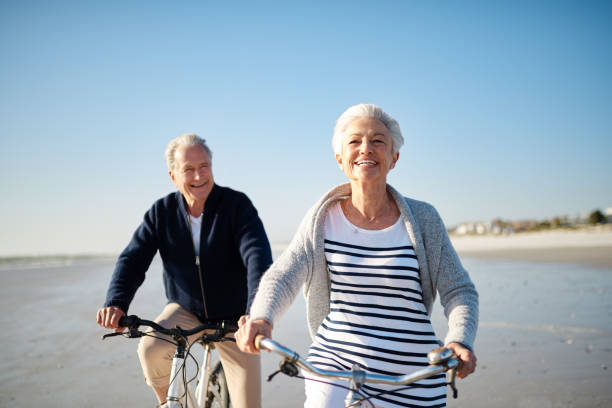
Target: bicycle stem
[353, 399]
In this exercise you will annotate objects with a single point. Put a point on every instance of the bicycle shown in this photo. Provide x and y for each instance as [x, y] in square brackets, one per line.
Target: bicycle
[440, 360]
[210, 390]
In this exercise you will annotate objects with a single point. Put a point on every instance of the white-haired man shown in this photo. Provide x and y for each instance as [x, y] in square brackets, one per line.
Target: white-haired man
[214, 250]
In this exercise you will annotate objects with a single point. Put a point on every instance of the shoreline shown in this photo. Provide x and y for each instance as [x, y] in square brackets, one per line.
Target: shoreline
[600, 257]
[588, 246]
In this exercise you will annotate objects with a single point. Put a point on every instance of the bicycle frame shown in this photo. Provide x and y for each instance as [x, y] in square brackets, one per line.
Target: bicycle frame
[179, 390]
[440, 360]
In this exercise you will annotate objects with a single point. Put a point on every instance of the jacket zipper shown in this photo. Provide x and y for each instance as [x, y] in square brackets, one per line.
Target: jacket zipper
[197, 262]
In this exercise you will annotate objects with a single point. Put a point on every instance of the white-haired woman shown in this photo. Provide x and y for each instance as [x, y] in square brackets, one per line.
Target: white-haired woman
[371, 262]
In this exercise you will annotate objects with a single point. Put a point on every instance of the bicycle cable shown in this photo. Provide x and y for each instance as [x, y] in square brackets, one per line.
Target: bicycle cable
[369, 396]
[181, 369]
[289, 369]
[359, 392]
[407, 387]
[148, 334]
[218, 336]
[197, 365]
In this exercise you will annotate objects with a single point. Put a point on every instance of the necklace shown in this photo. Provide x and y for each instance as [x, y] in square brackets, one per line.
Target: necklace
[384, 218]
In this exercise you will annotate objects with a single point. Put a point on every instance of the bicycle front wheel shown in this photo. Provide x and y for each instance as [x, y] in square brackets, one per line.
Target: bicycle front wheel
[218, 395]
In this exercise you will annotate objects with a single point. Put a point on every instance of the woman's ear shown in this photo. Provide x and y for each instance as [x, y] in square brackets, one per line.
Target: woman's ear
[394, 160]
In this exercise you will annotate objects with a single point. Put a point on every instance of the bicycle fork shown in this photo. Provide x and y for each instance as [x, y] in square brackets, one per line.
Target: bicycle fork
[202, 388]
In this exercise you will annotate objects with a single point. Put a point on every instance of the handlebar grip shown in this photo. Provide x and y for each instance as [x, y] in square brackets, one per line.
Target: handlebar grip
[127, 321]
[258, 340]
[229, 325]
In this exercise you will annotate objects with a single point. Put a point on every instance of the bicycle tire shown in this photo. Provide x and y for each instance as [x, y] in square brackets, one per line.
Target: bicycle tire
[218, 394]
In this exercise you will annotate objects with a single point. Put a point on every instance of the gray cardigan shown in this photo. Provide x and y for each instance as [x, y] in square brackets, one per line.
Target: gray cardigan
[303, 263]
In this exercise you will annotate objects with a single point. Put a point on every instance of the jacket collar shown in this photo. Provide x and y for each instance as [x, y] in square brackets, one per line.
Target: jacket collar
[211, 201]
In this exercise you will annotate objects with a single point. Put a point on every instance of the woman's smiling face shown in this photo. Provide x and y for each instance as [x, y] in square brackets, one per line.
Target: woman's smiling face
[367, 151]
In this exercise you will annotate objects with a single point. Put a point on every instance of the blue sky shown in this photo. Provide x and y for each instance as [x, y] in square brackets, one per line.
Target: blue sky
[506, 107]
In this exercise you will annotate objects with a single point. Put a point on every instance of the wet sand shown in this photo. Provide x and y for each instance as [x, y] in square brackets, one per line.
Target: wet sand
[590, 256]
[545, 336]
[590, 247]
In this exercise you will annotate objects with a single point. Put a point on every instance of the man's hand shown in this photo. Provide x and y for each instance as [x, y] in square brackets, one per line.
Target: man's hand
[108, 317]
[248, 330]
[467, 358]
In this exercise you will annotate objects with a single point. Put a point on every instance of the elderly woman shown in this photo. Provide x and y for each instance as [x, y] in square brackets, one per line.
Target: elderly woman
[371, 262]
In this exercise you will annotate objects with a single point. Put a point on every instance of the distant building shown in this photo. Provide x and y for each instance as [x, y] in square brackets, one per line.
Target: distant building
[481, 228]
[500, 227]
[524, 225]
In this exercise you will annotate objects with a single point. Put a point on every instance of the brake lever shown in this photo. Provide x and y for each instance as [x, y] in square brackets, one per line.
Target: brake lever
[132, 333]
[286, 367]
[451, 383]
[289, 368]
[111, 335]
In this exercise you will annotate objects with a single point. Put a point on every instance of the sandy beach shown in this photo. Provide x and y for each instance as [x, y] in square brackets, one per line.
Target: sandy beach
[591, 247]
[545, 335]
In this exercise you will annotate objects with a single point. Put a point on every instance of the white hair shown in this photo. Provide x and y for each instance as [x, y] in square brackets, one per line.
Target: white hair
[188, 139]
[366, 110]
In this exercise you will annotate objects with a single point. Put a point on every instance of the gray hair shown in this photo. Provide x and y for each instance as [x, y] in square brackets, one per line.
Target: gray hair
[366, 110]
[188, 139]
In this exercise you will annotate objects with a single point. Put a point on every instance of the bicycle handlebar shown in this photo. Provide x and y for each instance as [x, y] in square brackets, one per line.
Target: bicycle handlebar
[440, 360]
[133, 322]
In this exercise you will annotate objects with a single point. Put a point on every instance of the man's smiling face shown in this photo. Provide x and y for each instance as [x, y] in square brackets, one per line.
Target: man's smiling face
[192, 173]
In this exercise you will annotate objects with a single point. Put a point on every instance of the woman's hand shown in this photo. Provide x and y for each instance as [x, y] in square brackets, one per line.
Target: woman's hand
[467, 358]
[247, 331]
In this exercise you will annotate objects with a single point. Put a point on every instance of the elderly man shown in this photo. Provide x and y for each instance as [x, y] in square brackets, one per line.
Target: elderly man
[214, 250]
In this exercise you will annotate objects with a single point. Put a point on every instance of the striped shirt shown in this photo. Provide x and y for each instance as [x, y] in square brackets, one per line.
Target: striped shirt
[377, 318]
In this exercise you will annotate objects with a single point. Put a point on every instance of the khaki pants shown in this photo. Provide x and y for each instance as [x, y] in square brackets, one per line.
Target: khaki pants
[242, 370]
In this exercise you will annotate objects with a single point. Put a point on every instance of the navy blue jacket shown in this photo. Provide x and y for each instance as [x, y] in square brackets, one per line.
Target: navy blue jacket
[234, 253]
